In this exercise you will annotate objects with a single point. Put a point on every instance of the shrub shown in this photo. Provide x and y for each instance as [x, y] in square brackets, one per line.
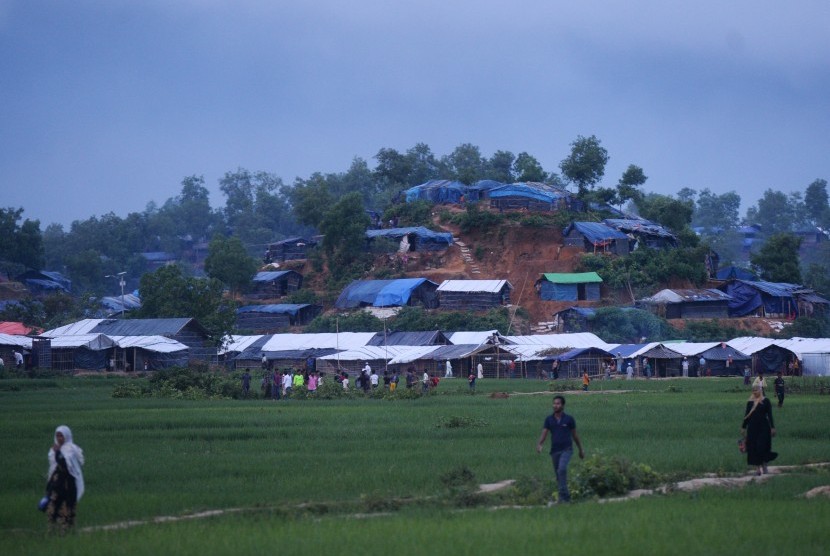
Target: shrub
[460, 421]
[601, 477]
[476, 219]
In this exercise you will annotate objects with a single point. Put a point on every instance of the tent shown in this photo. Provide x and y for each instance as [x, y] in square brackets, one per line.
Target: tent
[760, 297]
[733, 272]
[436, 191]
[647, 232]
[529, 196]
[571, 286]
[573, 319]
[596, 237]
[388, 293]
[418, 237]
[724, 360]
[276, 283]
[293, 248]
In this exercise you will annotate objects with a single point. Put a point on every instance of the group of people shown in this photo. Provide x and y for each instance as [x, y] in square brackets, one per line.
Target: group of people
[278, 384]
[18, 360]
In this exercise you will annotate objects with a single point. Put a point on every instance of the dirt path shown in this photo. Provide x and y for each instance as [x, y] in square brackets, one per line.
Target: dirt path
[691, 485]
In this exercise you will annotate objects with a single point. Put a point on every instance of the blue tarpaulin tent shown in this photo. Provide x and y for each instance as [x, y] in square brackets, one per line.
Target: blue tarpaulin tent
[536, 191]
[437, 191]
[773, 298]
[420, 238]
[732, 272]
[387, 293]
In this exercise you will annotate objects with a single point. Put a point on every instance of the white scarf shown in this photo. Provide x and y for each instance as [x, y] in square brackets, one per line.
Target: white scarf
[74, 456]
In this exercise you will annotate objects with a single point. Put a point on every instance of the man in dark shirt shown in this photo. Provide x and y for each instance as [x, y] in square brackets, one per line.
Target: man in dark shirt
[563, 434]
[779, 389]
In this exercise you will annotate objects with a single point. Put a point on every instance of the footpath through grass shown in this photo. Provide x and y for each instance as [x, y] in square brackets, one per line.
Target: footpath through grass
[151, 457]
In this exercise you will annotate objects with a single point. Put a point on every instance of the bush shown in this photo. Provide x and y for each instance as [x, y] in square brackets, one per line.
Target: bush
[460, 421]
[476, 219]
[416, 213]
[601, 477]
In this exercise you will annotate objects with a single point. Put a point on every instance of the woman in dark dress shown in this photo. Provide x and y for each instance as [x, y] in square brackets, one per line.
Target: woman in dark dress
[759, 428]
[66, 480]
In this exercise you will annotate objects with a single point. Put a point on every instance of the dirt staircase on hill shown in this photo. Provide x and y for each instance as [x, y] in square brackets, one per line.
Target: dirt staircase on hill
[467, 257]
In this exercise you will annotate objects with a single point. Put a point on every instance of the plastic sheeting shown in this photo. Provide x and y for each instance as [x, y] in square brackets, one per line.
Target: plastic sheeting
[595, 232]
[425, 239]
[437, 191]
[379, 293]
[537, 192]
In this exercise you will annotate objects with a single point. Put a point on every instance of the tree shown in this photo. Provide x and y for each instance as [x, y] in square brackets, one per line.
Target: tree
[816, 203]
[424, 165]
[20, 244]
[500, 167]
[465, 163]
[393, 168]
[310, 199]
[717, 213]
[229, 262]
[585, 166]
[616, 325]
[817, 277]
[527, 168]
[628, 188]
[775, 212]
[666, 210]
[778, 259]
[344, 228]
[167, 292]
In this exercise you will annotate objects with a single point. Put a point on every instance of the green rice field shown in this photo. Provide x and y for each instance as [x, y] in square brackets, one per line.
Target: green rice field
[364, 476]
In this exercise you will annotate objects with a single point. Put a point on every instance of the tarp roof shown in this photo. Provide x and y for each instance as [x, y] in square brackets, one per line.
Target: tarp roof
[424, 338]
[584, 311]
[490, 286]
[94, 342]
[15, 340]
[693, 349]
[775, 289]
[595, 231]
[578, 352]
[157, 344]
[235, 344]
[370, 353]
[378, 293]
[730, 272]
[686, 296]
[571, 277]
[16, 328]
[751, 344]
[660, 352]
[286, 241]
[458, 351]
[573, 340]
[343, 340]
[271, 275]
[114, 302]
[638, 226]
[279, 308]
[532, 190]
[482, 185]
[419, 231]
[722, 353]
[472, 337]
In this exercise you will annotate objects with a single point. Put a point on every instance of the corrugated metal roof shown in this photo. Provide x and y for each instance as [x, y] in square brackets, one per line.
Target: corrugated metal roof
[686, 296]
[14, 340]
[142, 327]
[489, 286]
[571, 277]
[84, 326]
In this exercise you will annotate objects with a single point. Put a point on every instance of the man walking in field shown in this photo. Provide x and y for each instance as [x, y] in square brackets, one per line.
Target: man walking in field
[562, 428]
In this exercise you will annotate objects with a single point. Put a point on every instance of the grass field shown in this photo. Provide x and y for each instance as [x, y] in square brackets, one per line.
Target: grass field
[154, 457]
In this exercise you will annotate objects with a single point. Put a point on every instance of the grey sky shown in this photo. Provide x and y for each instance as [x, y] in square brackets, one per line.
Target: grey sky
[106, 105]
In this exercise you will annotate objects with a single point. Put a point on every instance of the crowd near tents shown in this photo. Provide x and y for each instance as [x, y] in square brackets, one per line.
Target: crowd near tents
[151, 344]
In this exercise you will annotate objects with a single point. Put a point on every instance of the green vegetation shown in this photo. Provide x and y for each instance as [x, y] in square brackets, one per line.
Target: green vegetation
[418, 459]
[412, 319]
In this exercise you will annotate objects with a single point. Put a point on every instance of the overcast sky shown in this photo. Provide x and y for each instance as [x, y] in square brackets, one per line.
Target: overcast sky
[106, 105]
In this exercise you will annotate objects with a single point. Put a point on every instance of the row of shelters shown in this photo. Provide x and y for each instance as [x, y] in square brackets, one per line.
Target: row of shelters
[94, 343]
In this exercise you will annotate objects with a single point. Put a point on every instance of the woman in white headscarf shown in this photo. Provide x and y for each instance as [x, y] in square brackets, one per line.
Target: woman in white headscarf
[66, 479]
